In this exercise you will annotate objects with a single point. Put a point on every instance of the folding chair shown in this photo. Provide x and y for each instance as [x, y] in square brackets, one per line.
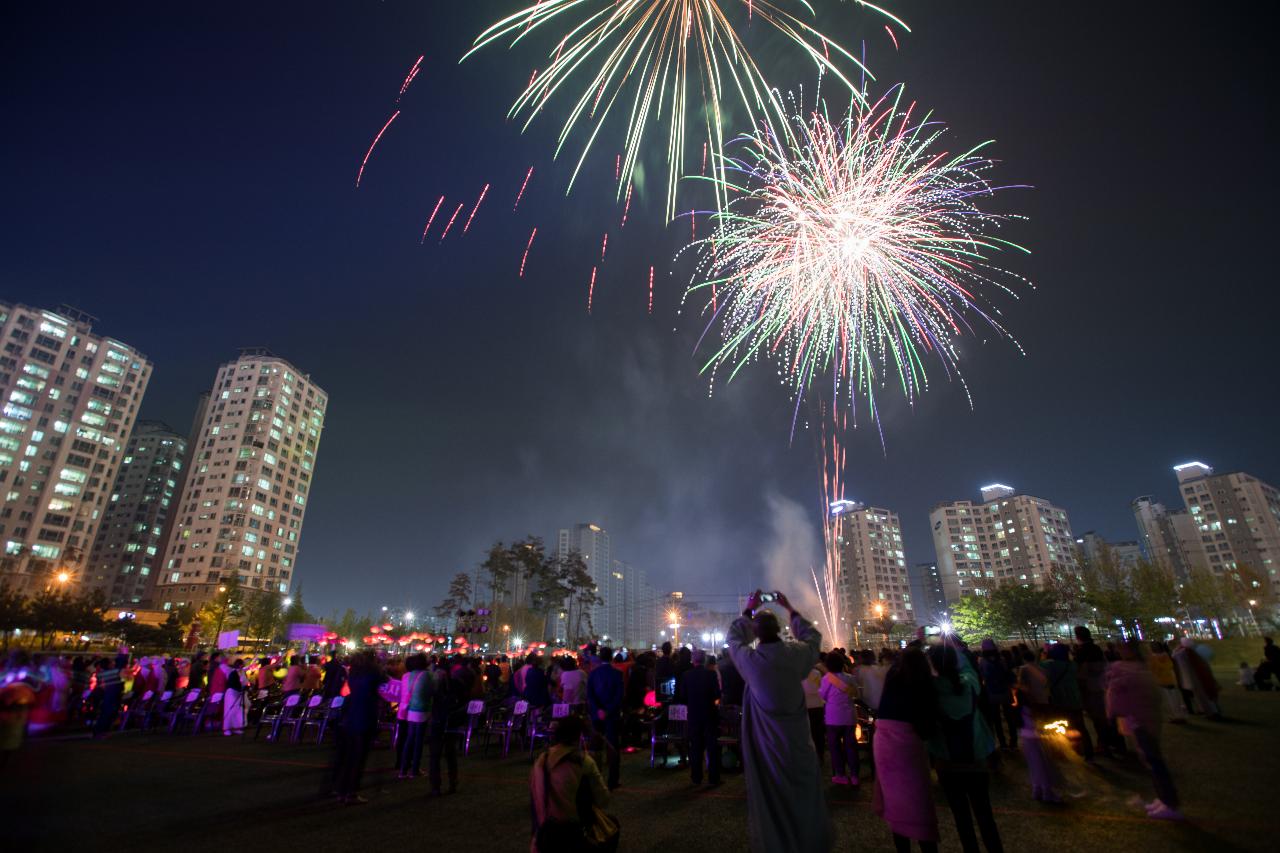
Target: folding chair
[312, 715]
[475, 714]
[158, 705]
[517, 724]
[331, 716]
[497, 725]
[677, 719]
[539, 727]
[210, 714]
[185, 711]
[277, 716]
[731, 731]
[136, 710]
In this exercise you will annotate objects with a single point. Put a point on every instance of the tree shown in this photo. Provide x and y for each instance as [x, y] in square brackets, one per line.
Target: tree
[499, 568]
[169, 634]
[296, 613]
[87, 612]
[14, 612]
[460, 590]
[351, 626]
[1205, 595]
[1023, 609]
[225, 608]
[1155, 594]
[975, 617]
[581, 594]
[264, 615]
[51, 611]
[1107, 590]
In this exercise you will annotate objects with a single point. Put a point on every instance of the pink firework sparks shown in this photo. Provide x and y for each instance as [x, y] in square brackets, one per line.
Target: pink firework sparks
[603, 246]
[591, 289]
[693, 226]
[474, 209]
[891, 36]
[650, 290]
[520, 194]
[374, 145]
[430, 219]
[704, 158]
[617, 167]
[527, 246]
[532, 77]
[408, 78]
[449, 224]
[626, 208]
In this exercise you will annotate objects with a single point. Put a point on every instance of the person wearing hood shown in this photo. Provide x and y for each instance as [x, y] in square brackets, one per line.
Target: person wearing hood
[1196, 676]
[1134, 703]
[565, 786]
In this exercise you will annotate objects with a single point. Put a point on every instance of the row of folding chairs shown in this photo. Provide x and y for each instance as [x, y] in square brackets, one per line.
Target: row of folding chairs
[172, 711]
[294, 717]
[670, 727]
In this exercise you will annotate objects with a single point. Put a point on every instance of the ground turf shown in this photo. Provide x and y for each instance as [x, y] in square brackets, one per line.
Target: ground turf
[149, 792]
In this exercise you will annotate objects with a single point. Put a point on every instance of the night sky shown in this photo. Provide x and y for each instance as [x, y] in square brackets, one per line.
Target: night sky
[187, 175]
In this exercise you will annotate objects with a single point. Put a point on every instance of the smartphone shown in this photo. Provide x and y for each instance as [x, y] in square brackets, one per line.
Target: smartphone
[768, 596]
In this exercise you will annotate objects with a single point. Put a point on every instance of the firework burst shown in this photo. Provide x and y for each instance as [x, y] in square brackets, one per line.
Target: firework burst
[853, 250]
[655, 60]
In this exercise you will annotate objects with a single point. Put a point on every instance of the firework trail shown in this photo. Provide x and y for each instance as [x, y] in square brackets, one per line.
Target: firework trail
[430, 219]
[645, 57]
[603, 246]
[408, 78]
[483, 192]
[449, 224]
[527, 247]
[626, 208]
[591, 289]
[854, 251]
[373, 145]
[520, 194]
[650, 290]
[892, 37]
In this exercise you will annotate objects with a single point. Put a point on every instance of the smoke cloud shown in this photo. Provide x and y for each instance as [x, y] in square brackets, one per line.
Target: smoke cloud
[792, 549]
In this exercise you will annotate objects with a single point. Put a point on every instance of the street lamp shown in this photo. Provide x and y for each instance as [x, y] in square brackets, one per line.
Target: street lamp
[64, 576]
[288, 602]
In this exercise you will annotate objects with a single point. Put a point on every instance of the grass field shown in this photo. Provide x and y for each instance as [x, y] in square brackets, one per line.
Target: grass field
[139, 792]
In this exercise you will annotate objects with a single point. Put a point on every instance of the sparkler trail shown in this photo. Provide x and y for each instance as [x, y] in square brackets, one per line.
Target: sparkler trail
[856, 249]
[644, 58]
[449, 224]
[408, 78]
[527, 247]
[466, 227]
[373, 145]
[430, 219]
[520, 194]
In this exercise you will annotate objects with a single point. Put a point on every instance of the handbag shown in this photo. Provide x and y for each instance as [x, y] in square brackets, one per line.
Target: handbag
[595, 831]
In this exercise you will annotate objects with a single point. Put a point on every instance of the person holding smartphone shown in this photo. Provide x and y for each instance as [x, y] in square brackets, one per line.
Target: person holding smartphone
[785, 806]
